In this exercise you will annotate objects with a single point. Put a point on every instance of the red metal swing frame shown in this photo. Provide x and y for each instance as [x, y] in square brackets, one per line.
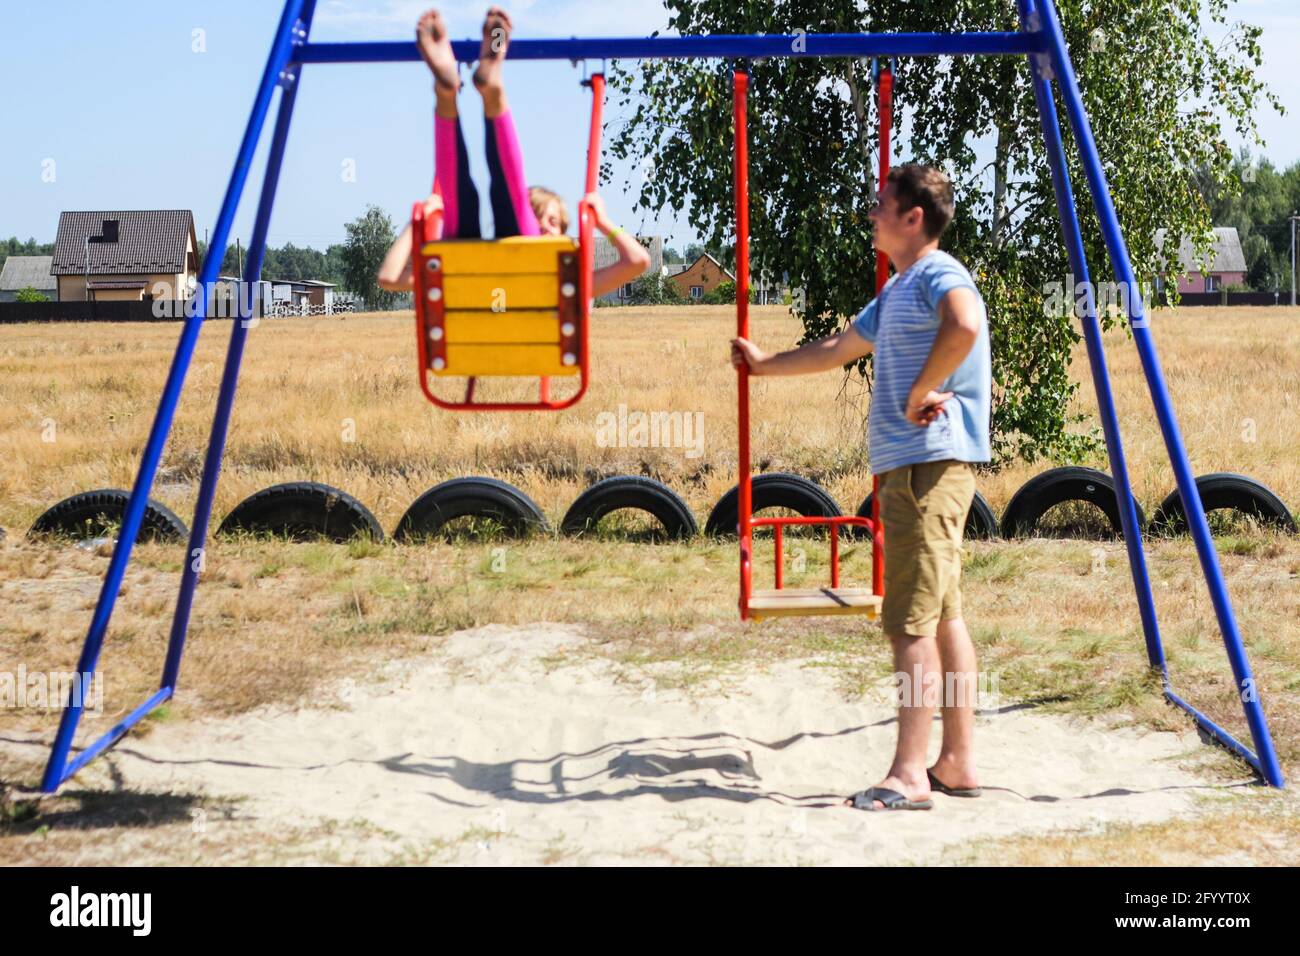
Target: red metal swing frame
[747, 522]
[429, 314]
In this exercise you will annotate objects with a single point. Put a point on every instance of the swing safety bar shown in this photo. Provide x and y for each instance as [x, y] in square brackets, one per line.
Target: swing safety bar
[835, 523]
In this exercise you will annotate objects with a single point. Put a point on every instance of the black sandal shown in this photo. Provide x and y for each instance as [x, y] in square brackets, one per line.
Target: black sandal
[939, 786]
[891, 800]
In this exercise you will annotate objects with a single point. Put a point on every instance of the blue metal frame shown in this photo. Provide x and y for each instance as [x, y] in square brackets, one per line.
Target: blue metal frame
[716, 45]
[58, 769]
[1040, 39]
[1264, 760]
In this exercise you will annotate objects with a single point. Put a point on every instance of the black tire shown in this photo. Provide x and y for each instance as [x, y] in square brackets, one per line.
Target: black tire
[981, 522]
[1225, 491]
[487, 498]
[1056, 486]
[303, 511]
[630, 491]
[774, 489]
[92, 514]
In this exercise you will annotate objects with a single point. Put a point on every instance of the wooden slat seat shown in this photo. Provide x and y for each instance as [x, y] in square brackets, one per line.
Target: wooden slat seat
[799, 602]
[494, 257]
[506, 307]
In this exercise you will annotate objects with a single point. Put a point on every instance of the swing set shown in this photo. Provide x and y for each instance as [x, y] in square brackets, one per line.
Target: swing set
[547, 282]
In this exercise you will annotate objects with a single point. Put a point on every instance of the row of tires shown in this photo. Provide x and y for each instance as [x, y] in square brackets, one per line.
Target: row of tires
[306, 509]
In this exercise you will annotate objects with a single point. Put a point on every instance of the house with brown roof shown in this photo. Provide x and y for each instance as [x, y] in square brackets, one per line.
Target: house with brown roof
[701, 277]
[128, 255]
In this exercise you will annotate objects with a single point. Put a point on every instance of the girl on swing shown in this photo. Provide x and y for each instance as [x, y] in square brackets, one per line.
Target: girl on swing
[517, 209]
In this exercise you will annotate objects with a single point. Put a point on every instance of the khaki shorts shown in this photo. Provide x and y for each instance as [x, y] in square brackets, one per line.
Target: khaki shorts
[923, 508]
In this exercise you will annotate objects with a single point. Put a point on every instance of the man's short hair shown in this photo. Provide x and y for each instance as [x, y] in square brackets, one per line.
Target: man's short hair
[928, 189]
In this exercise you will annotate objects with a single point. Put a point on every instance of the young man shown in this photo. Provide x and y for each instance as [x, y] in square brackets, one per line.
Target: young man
[929, 422]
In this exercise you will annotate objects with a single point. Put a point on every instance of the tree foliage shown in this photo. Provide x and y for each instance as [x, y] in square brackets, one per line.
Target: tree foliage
[655, 288]
[813, 144]
[724, 293]
[369, 236]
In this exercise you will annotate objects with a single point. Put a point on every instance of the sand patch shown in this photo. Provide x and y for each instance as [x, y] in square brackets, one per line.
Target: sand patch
[503, 749]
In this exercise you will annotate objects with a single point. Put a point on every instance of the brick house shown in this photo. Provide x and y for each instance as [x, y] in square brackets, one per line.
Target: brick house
[701, 277]
[131, 255]
[1226, 265]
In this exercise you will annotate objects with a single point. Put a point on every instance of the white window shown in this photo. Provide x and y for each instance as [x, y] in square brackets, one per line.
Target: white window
[626, 291]
[1211, 284]
[697, 292]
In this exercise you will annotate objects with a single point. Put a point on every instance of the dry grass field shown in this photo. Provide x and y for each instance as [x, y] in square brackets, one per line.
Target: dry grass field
[336, 400]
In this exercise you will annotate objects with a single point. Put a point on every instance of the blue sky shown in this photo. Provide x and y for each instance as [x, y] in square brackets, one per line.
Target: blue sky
[110, 101]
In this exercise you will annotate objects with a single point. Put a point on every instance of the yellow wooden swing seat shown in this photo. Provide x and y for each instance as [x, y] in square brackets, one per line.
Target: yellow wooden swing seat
[501, 306]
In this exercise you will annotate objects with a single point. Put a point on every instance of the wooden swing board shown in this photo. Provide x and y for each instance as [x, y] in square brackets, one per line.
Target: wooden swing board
[525, 290]
[802, 602]
[496, 257]
[516, 327]
[497, 359]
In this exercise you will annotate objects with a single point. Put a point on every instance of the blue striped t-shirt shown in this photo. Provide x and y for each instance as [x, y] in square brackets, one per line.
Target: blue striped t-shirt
[902, 322]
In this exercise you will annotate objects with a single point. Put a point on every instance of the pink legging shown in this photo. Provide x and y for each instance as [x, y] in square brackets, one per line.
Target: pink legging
[512, 213]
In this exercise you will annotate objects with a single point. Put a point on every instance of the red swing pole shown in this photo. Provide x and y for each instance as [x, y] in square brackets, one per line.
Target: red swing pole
[586, 245]
[885, 92]
[740, 87]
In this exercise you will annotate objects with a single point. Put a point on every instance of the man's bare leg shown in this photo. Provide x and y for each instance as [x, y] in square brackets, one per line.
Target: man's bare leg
[955, 767]
[917, 660]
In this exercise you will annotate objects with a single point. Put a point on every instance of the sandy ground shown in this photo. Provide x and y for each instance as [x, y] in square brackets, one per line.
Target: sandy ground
[509, 748]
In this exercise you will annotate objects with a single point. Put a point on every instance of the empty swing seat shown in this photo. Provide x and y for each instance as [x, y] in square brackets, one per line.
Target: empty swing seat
[500, 307]
[801, 602]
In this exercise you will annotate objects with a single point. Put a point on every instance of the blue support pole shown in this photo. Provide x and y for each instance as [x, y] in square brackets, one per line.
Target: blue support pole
[718, 45]
[56, 770]
[196, 549]
[1073, 237]
[1247, 690]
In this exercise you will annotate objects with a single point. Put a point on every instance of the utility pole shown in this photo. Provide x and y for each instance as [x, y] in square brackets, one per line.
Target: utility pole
[1294, 219]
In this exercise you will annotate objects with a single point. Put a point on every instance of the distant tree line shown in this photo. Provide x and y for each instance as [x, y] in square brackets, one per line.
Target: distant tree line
[13, 246]
[693, 251]
[1258, 202]
[287, 262]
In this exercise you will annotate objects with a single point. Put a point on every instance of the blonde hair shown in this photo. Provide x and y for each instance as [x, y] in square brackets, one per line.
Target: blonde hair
[539, 197]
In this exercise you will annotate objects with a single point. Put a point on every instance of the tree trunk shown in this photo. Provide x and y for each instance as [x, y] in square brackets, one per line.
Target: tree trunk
[1001, 156]
[864, 131]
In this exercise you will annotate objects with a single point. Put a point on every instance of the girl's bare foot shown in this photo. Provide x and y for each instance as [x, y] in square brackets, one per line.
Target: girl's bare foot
[496, 38]
[435, 46]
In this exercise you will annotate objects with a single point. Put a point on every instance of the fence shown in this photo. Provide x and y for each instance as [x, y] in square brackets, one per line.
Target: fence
[1229, 298]
[12, 313]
